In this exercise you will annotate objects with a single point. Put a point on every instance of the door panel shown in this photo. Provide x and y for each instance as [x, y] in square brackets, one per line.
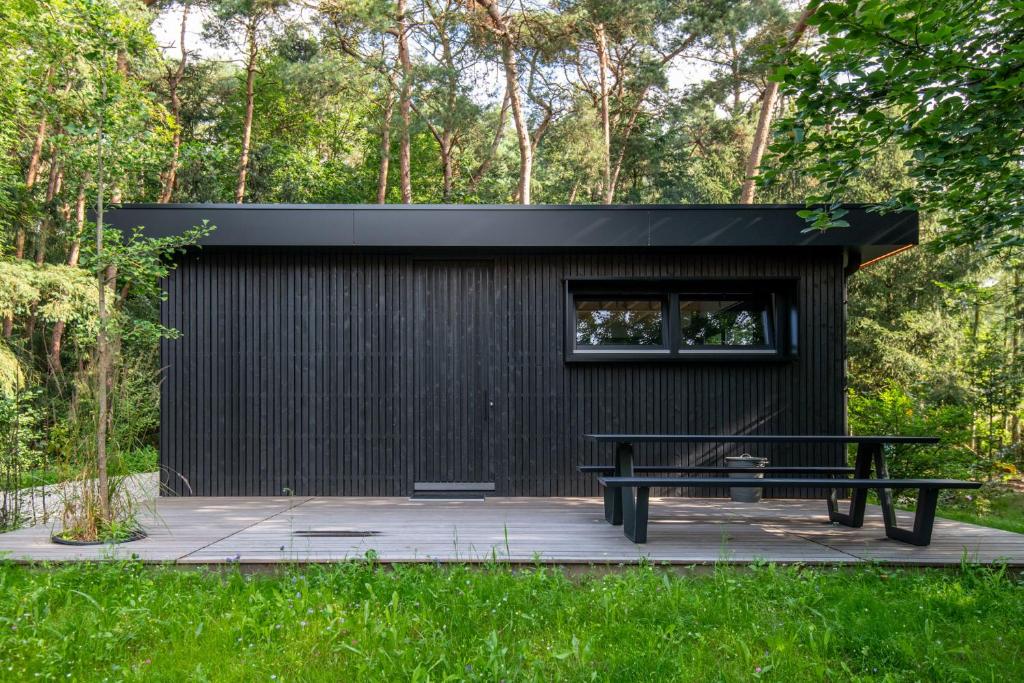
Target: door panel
[452, 351]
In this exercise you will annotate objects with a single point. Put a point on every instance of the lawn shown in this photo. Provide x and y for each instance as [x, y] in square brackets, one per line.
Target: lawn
[1002, 509]
[360, 622]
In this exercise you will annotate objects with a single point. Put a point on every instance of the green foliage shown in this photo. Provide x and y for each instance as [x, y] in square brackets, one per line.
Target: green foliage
[141, 263]
[53, 293]
[12, 375]
[134, 419]
[21, 423]
[893, 411]
[144, 459]
[355, 621]
[941, 81]
[945, 328]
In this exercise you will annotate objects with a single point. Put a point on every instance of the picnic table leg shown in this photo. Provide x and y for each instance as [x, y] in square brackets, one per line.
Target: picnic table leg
[867, 454]
[924, 519]
[884, 495]
[635, 515]
[613, 497]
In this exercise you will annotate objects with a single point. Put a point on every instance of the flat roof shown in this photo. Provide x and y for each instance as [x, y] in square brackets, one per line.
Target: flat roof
[871, 235]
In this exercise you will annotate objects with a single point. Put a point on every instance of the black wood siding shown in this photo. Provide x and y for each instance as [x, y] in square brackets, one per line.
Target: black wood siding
[326, 372]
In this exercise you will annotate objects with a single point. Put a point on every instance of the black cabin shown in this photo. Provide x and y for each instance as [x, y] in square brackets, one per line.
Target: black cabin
[362, 350]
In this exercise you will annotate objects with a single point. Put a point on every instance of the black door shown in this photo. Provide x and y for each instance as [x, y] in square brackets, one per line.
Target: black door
[452, 355]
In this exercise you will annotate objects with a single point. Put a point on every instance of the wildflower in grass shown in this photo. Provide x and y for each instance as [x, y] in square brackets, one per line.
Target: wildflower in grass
[757, 669]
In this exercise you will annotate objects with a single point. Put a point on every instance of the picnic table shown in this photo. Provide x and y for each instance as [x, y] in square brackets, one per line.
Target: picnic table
[626, 493]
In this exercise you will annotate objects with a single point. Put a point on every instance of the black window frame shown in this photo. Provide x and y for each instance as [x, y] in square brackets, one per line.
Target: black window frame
[778, 294]
[645, 349]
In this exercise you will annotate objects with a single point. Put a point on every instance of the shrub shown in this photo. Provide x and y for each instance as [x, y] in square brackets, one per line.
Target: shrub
[894, 411]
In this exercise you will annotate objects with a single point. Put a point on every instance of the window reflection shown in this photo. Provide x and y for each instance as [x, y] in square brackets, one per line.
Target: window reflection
[636, 322]
[722, 323]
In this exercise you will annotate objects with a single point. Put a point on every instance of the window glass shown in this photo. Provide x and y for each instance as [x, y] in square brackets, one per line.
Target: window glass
[706, 322]
[622, 322]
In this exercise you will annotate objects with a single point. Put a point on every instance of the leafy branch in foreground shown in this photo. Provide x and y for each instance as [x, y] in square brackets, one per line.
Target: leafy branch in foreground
[943, 81]
[138, 263]
[95, 510]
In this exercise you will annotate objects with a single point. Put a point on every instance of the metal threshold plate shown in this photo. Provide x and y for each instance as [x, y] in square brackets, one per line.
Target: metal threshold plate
[334, 533]
[441, 496]
[453, 486]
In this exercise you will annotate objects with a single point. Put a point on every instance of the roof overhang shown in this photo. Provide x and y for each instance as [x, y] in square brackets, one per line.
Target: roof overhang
[870, 236]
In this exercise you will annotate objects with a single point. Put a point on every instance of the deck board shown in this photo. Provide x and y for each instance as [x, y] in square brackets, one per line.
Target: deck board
[549, 530]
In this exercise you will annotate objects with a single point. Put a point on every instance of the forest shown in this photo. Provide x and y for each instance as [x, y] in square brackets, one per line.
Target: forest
[899, 104]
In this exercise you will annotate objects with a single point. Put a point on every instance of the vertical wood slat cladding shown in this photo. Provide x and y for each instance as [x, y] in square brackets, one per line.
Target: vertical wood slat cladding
[343, 373]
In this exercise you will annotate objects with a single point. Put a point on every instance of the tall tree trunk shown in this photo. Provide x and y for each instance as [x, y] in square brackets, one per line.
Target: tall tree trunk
[1016, 325]
[385, 149]
[601, 41]
[764, 119]
[623, 146]
[250, 86]
[36, 155]
[102, 342]
[635, 115]
[447, 170]
[404, 105]
[522, 132]
[57, 336]
[734, 69]
[171, 176]
[446, 137]
[30, 178]
[46, 224]
[508, 59]
[499, 133]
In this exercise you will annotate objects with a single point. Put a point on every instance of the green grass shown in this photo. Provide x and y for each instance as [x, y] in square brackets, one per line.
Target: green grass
[355, 622]
[1005, 510]
[998, 507]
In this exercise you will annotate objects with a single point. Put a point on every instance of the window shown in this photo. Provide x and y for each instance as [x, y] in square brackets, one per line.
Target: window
[723, 323]
[681, 320]
[624, 322]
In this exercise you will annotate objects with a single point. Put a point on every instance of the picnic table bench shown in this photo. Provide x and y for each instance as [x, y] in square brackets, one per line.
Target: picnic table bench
[627, 495]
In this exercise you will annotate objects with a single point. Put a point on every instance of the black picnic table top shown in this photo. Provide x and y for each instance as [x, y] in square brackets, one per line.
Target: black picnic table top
[760, 438]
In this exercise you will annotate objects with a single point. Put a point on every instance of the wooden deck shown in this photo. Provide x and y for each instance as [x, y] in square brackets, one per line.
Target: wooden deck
[550, 530]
